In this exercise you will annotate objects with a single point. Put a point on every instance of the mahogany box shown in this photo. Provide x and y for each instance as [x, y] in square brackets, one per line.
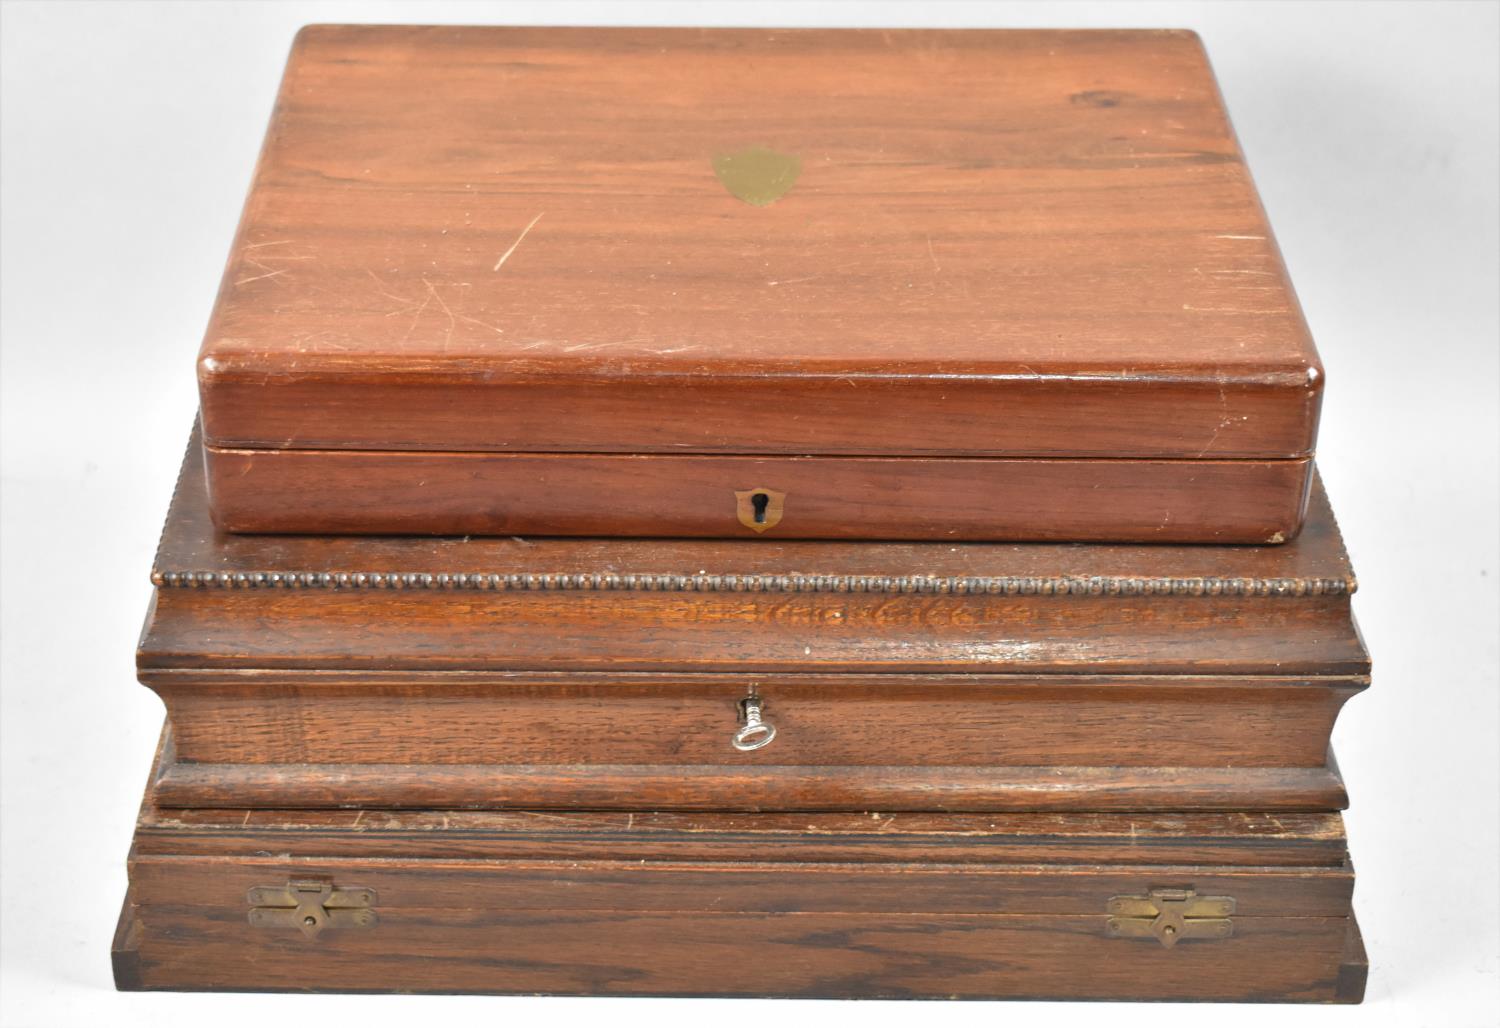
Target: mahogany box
[752, 768]
[976, 285]
[747, 675]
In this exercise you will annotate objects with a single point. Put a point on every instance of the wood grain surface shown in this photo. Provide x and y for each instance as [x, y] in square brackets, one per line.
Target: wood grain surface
[401, 603]
[1243, 838]
[771, 787]
[650, 903]
[193, 553]
[488, 243]
[290, 717]
[671, 495]
[829, 956]
[1003, 243]
[938, 742]
[411, 672]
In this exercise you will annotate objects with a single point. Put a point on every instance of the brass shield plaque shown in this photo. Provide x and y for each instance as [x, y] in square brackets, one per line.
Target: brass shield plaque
[757, 175]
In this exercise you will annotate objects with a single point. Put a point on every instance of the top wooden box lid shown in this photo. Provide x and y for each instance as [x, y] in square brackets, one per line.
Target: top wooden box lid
[1005, 243]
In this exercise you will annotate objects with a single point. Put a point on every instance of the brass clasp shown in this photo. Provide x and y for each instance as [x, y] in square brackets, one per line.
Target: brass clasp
[311, 906]
[1169, 916]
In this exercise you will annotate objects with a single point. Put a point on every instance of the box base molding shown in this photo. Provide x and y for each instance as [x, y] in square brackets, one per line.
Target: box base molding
[720, 787]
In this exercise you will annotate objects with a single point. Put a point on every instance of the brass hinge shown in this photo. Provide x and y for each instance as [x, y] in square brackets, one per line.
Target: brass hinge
[1169, 916]
[311, 906]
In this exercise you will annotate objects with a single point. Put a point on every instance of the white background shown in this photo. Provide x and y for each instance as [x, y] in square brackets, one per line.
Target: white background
[129, 132]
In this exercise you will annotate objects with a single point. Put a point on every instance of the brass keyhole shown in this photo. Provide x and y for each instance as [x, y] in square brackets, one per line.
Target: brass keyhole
[760, 508]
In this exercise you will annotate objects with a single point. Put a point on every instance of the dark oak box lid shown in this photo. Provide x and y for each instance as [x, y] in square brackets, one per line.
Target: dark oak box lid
[976, 243]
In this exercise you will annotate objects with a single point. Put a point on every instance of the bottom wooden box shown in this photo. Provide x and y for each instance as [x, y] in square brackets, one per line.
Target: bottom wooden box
[1202, 906]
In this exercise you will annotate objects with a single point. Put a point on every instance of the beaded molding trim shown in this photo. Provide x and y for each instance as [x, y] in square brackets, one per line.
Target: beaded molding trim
[791, 583]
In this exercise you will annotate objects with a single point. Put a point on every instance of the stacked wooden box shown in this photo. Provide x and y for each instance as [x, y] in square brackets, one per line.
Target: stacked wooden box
[802, 742]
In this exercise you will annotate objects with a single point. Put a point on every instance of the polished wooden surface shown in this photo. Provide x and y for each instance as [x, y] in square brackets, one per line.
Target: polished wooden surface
[646, 903]
[1314, 566]
[936, 742]
[413, 672]
[771, 787]
[996, 240]
[290, 717]
[662, 495]
[1032, 244]
[840, 955]
[745, 633]
[402, 603]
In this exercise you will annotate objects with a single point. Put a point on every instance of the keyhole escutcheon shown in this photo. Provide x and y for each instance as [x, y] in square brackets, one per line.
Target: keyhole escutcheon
[759, 509]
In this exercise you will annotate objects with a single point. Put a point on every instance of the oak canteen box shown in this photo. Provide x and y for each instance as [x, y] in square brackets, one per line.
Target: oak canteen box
[745, 767]
[1222, 906]
[970, 285]
[411, 672]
